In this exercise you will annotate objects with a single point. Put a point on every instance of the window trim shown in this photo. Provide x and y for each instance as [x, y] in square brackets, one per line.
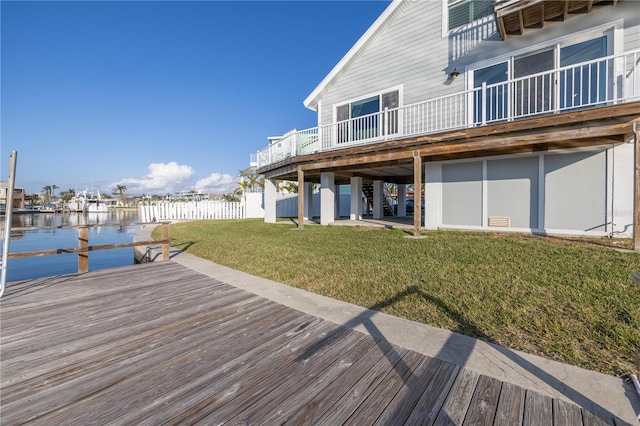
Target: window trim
[379, 94]
[446, 31]
[609, 29]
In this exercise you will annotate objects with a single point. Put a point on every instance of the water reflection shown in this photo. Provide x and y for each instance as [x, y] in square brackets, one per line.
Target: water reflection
[42, 231]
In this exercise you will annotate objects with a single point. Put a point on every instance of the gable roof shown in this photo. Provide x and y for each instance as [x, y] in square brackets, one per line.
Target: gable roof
[311, 101]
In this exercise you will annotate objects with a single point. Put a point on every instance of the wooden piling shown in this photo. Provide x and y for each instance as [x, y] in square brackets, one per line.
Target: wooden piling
[83, 249]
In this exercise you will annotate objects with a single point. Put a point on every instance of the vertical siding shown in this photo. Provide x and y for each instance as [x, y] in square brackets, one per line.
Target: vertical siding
[409, 50]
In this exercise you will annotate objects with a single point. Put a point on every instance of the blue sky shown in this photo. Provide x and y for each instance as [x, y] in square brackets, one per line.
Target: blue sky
[160, 96]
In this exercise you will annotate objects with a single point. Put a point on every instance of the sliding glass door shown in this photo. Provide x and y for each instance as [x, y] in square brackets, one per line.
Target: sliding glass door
[586, 84]
[492, 106]
[533, 88]
[557, 78]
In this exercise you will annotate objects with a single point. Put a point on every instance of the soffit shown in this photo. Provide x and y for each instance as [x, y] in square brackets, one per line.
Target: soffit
[514, 17]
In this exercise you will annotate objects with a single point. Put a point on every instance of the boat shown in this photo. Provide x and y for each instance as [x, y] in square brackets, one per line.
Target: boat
[49, 208]
[85, 202]
[97, 205]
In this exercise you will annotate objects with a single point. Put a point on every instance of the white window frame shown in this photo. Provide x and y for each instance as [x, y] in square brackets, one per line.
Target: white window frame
[614, 46]
[446, 31]
[379, 94]
[610, 29]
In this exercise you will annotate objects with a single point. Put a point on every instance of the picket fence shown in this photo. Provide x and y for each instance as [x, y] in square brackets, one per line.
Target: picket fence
[192, 210]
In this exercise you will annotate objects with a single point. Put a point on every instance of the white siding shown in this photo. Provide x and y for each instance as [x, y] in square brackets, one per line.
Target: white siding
[401, 53]
[409, 50]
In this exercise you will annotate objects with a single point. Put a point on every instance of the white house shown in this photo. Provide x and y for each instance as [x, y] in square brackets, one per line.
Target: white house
[516, 115]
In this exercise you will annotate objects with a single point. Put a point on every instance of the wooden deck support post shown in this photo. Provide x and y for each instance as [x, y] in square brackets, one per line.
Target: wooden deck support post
[301, 198]
[83, 249]
[417, 193]
[636, 189]
[165, 237]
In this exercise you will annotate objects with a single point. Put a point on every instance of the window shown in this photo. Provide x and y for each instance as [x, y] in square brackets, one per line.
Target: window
[495, 104]
[586, 84]
[534, 94]
[545, 80]
[366, 118]
[463, 12]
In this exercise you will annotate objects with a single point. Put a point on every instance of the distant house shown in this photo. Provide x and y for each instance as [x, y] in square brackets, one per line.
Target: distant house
[515, 115]
[18, 196]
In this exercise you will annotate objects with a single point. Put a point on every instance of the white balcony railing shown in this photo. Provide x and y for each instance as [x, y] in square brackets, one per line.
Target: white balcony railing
[605, 81]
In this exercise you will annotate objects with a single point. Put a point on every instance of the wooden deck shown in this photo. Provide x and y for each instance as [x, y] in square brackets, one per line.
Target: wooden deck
[160, 343]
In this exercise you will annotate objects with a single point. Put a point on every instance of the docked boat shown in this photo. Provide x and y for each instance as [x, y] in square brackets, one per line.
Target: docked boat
[85, 202]
[49, 208]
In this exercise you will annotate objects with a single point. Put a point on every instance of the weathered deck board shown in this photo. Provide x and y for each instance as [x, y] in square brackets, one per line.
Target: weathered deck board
[159, 343]
[566, 414]
[510, 410]
[484, 403]
[538, 410]
[457, 403]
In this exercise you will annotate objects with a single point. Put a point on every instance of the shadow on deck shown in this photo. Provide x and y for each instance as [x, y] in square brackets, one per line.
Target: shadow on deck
[162, 343]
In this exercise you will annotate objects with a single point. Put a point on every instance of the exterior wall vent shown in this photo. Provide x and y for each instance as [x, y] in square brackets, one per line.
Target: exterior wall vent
[500, 221]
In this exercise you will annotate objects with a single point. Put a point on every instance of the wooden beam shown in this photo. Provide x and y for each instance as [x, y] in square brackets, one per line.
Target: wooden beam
[501, 28]
[165, 237]
[521, 21]
[300, 198]
[417, 193]
[575, 132]
[594, 117]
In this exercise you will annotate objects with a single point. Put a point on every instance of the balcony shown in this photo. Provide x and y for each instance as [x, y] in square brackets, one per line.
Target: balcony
[603, 82]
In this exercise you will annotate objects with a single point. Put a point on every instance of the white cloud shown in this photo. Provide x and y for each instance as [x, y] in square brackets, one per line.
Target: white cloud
[162, 178]
[173, 177]
[217, 183]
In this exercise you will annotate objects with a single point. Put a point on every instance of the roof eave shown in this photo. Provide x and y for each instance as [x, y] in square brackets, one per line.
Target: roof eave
[311, 101]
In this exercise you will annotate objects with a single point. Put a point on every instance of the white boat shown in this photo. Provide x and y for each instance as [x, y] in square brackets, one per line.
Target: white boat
[97, 205]
[86, 202]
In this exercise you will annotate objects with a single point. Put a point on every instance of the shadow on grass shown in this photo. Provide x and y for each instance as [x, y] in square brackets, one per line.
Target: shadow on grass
[465, 326]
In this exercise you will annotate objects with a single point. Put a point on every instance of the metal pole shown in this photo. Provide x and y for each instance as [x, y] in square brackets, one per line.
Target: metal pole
[8, 216]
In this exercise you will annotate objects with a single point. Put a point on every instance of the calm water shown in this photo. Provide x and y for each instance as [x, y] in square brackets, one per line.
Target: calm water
[121, 230]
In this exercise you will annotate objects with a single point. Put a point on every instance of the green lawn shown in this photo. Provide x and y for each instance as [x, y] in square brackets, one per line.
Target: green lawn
[570, 300]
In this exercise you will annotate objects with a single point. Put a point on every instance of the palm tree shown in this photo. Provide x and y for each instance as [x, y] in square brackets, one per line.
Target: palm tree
[250, 181]
[53, 190]
[233, 197]
[290, 187]
[47, 192]
[67, 195]
[120, 190]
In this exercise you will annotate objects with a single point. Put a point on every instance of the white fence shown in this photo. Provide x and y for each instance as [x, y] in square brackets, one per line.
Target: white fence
[251, 206]
[192, 210]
